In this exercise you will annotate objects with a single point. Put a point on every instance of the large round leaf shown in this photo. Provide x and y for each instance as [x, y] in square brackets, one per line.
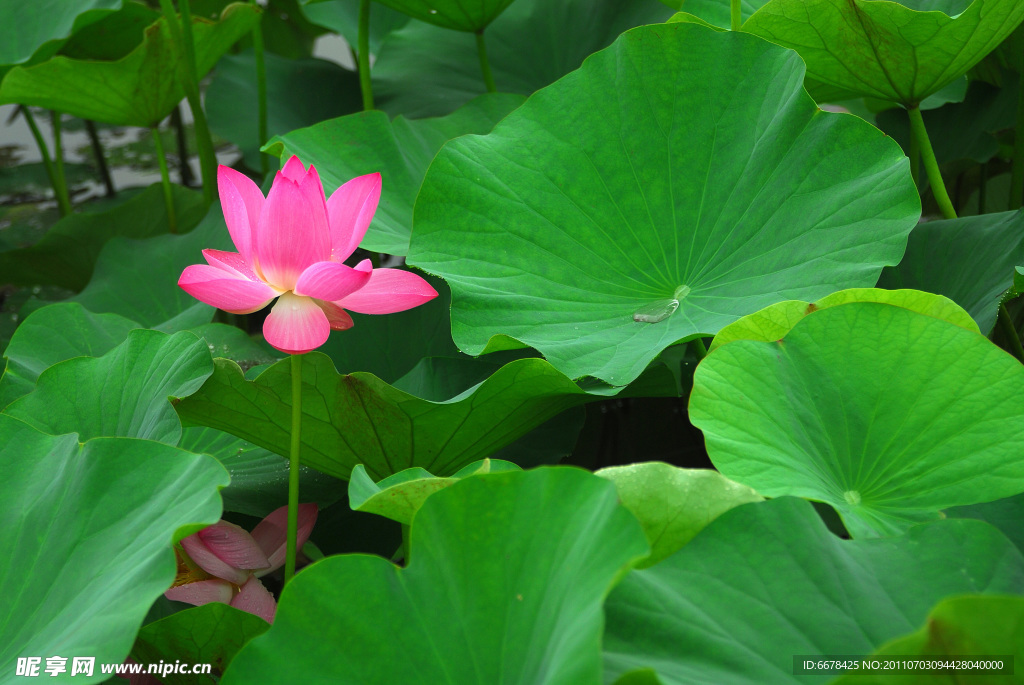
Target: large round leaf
[66, 255]
[451, 14]
[138, 90]
[507, 575]
[426, 71]
[87, 542]
[208, 634]
[400, 496]
[400, 150]
[970, 260]
[765, 582]
[775, 321]
[359, 419]
[53, 334]
[898, 51]
[46, 24]
[692, 182]
[1005, 514]
[121, 394]
[886, 414]
[674, 504]
[970, 628]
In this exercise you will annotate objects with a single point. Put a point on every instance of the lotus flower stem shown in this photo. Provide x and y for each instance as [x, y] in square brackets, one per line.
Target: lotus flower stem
[363, 55]
[914, 153]
[1017, 177]
[44, 151]
[293, 469]
[931, 164]
[165, 179]
[697, 345]
[485, 65]
[184, 168]
[735, 15]
[261, 90]
[182, 36]
[982, 187]
[405, 544]
[101, 161]
[1012, 337]
[60, 186]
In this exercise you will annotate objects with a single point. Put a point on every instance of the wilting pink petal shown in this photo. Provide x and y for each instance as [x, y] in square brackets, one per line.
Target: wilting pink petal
[294, 169]
[389, 291]
[225, 289]
[293, 232]
[202, 592]
[232, 262]
[337, 317]
[226, 551]
[296, 325]
[242, 202]
[333, 281]
[349, 211]
[233, 545]
[256, 599]
[272, 536]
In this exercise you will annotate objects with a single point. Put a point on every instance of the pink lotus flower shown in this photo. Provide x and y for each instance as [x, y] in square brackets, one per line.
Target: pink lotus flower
[291, 246]
[223, 563]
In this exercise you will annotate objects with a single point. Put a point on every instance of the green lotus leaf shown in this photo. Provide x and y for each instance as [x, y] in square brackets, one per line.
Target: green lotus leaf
[138, 90]
[148, 294]
[400, 150]
[359, 419]
[451, 14]
[38, 29]
[112, 37]
[300, 92]
[896, 51]
[66, 255]
[89, 548]
[400, 496]
[884, 413]
[774, 321]
[507, 576]
[1005, 514]
[64, 330]
[121, 394]
[689, 186]
[209, 634]
[674, 504]
[767, 581]
[53, 334]
[427, 71]
[969, 260]
[342, 17]
[969, 626]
